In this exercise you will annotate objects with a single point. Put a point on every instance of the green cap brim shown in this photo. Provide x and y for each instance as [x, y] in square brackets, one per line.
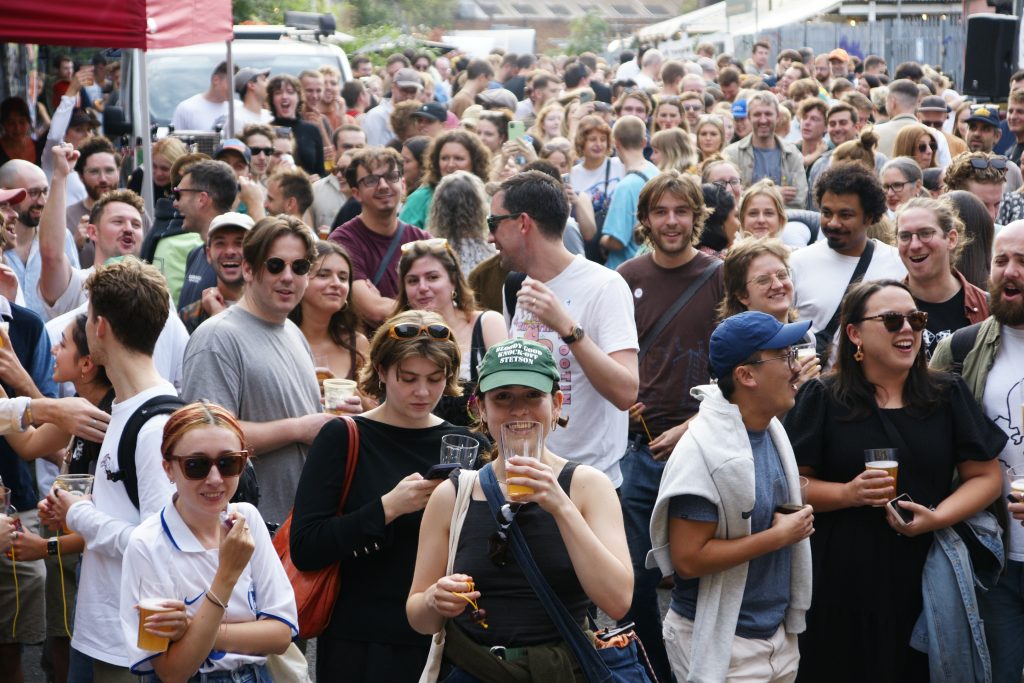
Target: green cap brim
[525, 378]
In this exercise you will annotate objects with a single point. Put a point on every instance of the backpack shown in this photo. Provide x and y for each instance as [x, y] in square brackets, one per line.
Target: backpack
[248, 488]
[961, 344]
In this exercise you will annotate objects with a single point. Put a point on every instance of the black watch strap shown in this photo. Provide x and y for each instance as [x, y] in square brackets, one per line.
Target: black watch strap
[52, 547]
[574, 335]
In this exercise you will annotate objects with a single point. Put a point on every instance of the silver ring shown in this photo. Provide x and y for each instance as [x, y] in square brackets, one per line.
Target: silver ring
[92, 422]
[533, 301]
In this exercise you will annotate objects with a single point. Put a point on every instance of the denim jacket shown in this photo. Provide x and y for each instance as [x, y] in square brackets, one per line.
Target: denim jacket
[949, 629]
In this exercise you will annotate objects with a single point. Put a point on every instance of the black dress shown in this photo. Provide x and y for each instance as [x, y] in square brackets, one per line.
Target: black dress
[867, 578]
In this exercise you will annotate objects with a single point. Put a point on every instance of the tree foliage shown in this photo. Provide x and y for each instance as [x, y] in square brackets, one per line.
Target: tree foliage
[588, 33]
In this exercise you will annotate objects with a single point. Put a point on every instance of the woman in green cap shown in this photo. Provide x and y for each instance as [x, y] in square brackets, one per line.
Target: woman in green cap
[572, 522]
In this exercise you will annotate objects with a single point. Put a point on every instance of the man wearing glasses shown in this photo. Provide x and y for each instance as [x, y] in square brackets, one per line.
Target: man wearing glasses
[373, 238]
[256, 363]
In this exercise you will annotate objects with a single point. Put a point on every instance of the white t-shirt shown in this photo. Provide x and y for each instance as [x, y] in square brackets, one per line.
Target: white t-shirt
[600, 302]
[165, 551]
[592, 182]
[244, 117]
[820, 277]
[107, 523]
[1003, 398]
[199, 113]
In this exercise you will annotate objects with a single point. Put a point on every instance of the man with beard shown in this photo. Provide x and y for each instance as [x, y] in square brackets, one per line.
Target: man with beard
[224, 254]
[763, 154]
[851, 200]
[114, 225]
[579, 309]
[23, 252]
[97, 167]
[993, 367]
[983, 134]
[671, 213]
[373, 238]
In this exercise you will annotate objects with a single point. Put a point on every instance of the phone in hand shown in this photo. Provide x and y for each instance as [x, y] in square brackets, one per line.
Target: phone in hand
[441, 470]
[906, 515]
[516, 130]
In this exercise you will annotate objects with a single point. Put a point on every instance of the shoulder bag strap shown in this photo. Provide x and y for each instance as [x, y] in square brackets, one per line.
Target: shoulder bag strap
[351, 459]
[890, 429]
[476, 348]
[671, 313]
[960, 345]
[395, 242]
[593, 667]
[858, 275]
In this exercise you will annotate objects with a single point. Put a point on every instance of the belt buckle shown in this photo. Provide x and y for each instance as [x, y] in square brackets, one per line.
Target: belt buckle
[498, 651]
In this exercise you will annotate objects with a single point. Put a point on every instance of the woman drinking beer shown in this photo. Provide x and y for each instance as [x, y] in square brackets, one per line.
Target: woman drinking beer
[203, 591]
[414, 359]
[868, 562]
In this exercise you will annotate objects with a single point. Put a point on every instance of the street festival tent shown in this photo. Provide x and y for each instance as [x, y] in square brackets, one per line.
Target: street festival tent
[138, 25]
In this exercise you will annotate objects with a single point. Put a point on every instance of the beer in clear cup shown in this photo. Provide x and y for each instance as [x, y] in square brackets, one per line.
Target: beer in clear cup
[147, 640]
[886, 459]
[524, 438]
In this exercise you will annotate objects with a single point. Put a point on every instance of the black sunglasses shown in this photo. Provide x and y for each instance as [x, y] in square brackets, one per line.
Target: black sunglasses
[267, 151]
[494, 221]
[998, 163]
[275, 266]
[497, 545]
[436, 332]
[925, 147]
[893, 321]
[176, 192]
[197, 467]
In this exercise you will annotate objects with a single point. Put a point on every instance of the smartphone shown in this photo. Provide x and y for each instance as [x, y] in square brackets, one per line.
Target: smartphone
[441, 471]
[608, 634]
[586, 96]
[906, 515]
[516, 130]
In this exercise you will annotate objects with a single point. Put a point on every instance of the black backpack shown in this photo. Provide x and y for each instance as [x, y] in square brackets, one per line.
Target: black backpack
[248, 488]
[961, 344]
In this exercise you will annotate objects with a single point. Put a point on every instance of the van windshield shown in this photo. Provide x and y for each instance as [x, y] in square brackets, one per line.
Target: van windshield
[176, 77]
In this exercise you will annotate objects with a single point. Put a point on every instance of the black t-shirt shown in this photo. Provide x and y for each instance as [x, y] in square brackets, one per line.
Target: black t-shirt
[944, 319]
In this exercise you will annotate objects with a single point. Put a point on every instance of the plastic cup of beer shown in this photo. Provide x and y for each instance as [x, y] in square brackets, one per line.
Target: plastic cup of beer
[804, 351]
[1016, 477]
[335, 393]
[804, 481]
[886, 459]
[523, 438]
[322, 370]
[460, 450]
[76, 485]
[782, 485]
[150, 641]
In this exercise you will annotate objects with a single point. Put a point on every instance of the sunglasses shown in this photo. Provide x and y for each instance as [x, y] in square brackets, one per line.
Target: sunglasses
[435, 332]
[176, 192]
[998, 163]
[925, 147]
[197, 467]
[894, 321]
[693, 107]
[265, 151]
[494, 221]
[497, 544]
[275, 266]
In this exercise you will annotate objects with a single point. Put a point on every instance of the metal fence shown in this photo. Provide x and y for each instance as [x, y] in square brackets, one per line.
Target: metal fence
[935, 41]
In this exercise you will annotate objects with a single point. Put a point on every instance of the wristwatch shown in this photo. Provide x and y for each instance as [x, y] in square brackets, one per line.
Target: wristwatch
[52, 549]
[574, 335]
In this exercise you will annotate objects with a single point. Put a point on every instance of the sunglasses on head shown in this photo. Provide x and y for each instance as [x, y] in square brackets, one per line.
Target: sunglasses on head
[893, 321]
[275, 266]
[435, 332]
[998, 163]
[197, 467]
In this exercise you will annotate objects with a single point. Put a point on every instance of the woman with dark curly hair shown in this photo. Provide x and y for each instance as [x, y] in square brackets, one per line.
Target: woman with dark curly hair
[287, 100]
[453, 150]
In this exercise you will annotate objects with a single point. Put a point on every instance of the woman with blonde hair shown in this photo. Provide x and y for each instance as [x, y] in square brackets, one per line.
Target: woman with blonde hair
[548, 124]
[165, 152]
[762, 211]
[669, 114]
[710, 132]
[672, 149]
[414, 359]
[918, 143]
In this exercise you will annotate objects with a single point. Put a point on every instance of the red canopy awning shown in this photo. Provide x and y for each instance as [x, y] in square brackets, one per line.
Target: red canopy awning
[145, 24]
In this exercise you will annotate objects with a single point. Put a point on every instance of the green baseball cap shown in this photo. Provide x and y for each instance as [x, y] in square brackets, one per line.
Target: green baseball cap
[518, 362]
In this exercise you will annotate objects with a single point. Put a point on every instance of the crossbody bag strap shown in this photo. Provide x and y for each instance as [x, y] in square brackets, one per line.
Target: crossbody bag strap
[396, 241]
[351, 460]
[593, 667]
[858, 275]
[652, 335]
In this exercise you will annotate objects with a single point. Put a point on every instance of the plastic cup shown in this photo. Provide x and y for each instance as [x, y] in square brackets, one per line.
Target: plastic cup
[523, 438]
[459, 450]
[152, 594]
[804, 351]
[335, 393]
[886, 459]
[76, 485]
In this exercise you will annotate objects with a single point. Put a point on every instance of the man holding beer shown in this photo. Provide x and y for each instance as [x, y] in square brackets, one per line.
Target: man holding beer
[256, 363]
[742, 567]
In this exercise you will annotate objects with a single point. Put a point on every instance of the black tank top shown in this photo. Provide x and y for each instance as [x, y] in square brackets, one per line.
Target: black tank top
[516, 618]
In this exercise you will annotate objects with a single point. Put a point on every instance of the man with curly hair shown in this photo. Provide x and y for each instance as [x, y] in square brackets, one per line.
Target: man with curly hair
[982, 174]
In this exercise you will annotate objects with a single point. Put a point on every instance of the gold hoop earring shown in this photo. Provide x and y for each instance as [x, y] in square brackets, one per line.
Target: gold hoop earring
[859, 354]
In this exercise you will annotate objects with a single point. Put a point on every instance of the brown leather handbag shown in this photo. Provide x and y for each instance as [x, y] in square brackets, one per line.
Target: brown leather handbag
[316, 591]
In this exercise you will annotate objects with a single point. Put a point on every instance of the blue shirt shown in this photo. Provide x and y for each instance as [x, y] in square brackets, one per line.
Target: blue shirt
[28, 273]
[766, 593]
[621, 219]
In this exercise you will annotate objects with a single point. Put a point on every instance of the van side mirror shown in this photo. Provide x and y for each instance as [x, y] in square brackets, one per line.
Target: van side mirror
[114, 123]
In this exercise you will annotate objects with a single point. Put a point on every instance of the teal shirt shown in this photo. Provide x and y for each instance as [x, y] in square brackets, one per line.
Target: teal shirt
[417, 206]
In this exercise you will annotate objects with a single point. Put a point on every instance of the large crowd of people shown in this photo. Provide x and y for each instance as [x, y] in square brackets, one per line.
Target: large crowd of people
[748, 326]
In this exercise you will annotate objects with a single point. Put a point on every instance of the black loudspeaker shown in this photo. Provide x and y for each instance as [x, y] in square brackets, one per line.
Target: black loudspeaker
[991, 55]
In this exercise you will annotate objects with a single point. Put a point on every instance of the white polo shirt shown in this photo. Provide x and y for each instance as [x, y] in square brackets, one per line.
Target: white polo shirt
[107, 523]
[164, 549]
